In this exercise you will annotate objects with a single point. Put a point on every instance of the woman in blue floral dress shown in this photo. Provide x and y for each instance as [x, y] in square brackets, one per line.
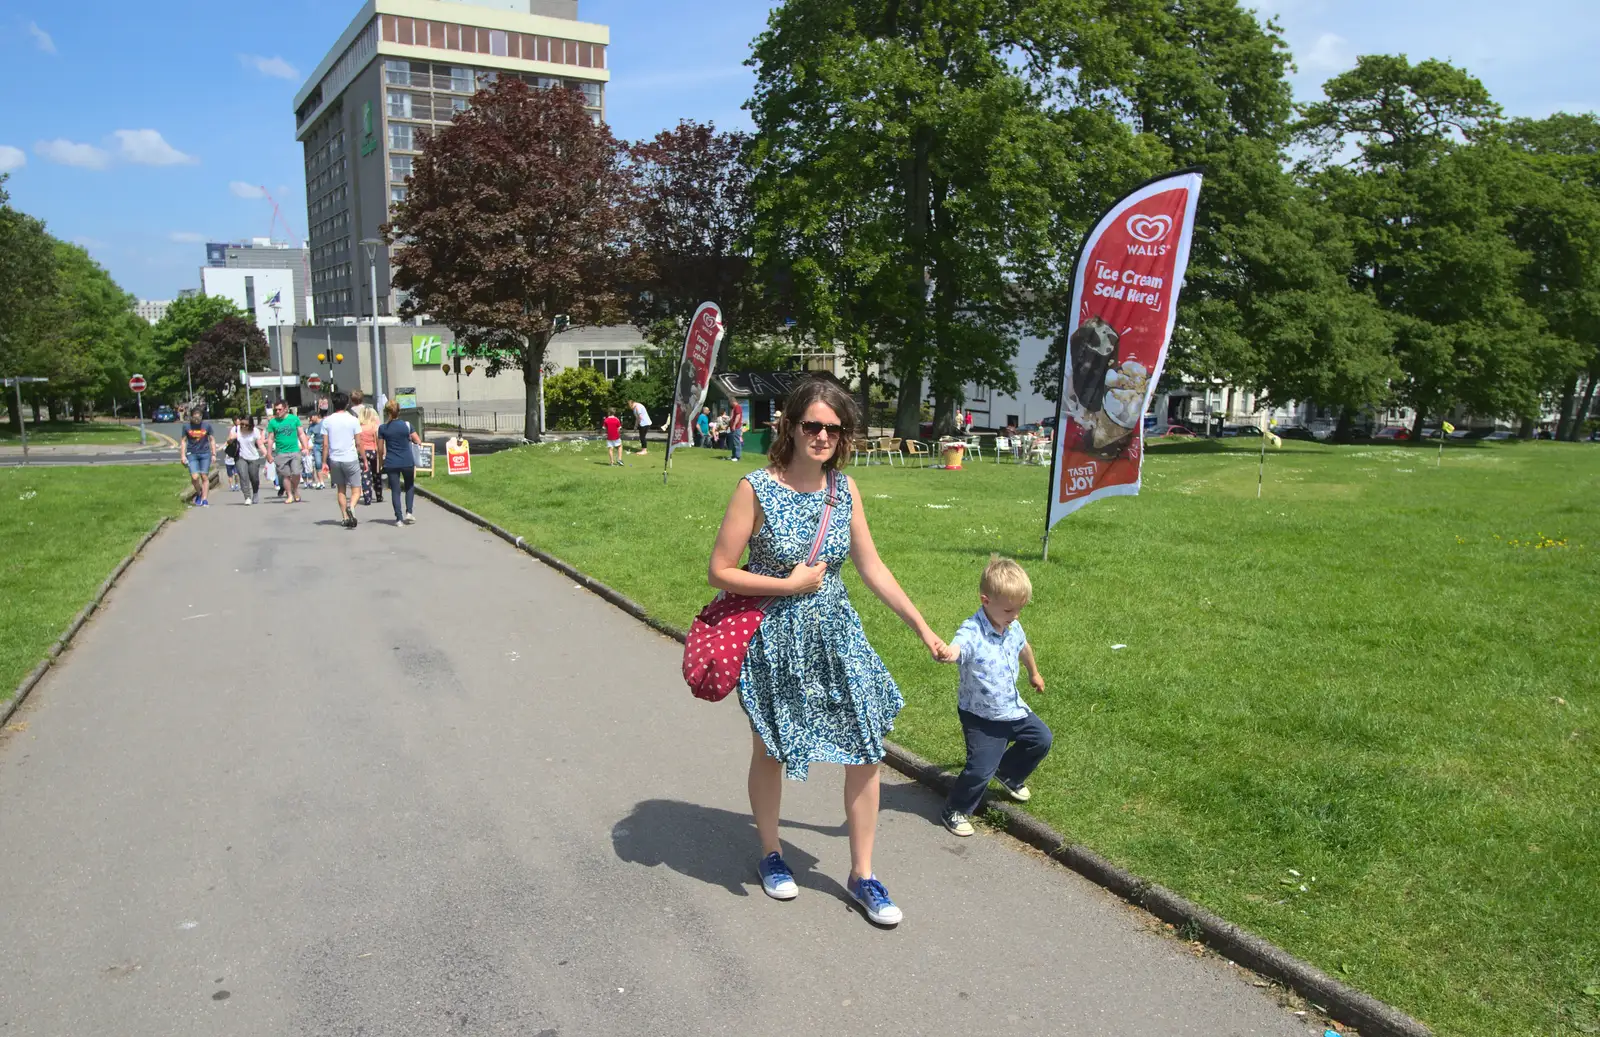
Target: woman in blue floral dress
[813, 688]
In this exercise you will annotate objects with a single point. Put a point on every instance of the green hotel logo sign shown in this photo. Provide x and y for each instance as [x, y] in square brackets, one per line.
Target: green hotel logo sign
[369, 141]
[426, 350]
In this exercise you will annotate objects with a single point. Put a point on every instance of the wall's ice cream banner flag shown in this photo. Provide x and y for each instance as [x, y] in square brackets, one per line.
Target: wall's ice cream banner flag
[694, 372]
[1124, 304]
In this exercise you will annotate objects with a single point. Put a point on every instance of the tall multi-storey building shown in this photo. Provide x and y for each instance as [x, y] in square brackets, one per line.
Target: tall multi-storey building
[266, 254]
[152, 310]
[400, 71]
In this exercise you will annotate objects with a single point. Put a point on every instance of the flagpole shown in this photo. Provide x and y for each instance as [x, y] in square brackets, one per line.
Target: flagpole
[672, 422]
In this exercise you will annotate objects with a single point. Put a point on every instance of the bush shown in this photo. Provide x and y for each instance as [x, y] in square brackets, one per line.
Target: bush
[576, 398]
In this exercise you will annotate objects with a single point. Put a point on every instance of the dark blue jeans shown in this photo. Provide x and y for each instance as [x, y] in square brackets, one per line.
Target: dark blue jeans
[1006, 749]
[736, 443]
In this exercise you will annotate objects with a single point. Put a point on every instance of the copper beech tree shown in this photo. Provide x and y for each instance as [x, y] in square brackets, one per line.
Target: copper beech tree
[516, 226]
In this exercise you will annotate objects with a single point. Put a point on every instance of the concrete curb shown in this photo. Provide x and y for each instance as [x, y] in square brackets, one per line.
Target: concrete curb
[62, 642]
[1341, 1002]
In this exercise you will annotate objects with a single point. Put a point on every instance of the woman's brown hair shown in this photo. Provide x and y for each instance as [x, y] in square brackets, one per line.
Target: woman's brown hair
[816, 389]
[391, 410]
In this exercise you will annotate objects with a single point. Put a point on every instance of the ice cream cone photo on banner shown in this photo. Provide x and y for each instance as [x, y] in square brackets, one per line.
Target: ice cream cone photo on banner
[1124, 306]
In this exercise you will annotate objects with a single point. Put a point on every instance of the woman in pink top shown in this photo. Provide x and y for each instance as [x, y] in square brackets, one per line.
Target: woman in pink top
[367, 443]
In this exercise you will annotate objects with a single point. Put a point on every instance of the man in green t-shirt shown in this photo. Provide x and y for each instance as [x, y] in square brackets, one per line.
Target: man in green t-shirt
[286, 439]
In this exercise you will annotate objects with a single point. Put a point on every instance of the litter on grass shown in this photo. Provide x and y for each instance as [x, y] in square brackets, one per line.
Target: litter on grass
[1118, 648]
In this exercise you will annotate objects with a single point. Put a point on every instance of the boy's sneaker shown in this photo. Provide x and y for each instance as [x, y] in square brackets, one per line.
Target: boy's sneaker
[777, 881]
[874, 900]
[1019, 793]
[958, 823]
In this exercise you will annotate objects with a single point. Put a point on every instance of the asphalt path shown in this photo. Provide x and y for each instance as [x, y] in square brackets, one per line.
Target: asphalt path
[295, 779]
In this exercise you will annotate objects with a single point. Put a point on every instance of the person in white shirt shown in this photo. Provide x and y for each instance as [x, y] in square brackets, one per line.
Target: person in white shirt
[642, 416]
[344, 460]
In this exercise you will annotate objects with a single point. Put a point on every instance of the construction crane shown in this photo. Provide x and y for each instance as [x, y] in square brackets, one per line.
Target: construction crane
[277, 218]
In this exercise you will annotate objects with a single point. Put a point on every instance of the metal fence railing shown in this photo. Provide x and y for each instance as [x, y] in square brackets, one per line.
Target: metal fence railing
[468, 421]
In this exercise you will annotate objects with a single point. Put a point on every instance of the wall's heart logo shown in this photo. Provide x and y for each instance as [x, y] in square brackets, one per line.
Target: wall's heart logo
[1149, 229]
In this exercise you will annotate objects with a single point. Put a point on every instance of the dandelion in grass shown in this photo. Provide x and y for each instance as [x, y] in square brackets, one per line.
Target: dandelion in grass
[29, 495]
[882, 496]
[938, 507]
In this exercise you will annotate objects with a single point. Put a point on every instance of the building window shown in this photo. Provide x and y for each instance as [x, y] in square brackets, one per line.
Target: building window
[400, 104]
[398, 192]
[613, 363]
[462, 81]
[398, 71]
[402, 137]
[498, 43]
[399, 167]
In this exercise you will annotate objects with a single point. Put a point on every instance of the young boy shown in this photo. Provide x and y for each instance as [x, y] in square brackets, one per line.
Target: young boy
[613, 426]
[1006, 741]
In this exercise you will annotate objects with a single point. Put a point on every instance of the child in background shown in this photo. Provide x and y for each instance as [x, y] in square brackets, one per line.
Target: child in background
[1006, 741]
[613, 426]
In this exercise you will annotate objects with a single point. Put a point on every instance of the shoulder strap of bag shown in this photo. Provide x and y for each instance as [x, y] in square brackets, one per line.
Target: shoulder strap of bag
[827, 515]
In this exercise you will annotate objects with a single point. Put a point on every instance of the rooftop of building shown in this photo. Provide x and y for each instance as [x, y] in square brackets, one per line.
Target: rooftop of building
[557, 18]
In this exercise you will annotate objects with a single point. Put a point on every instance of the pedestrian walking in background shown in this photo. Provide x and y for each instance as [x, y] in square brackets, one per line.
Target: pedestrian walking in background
[367, 443]
[397, 461]
[251, 451]
[1006, 740]
[230, 454]
[314, 437]
[344, 461]
[286, 442]
[195, 451]
[813, 688]
[613, 427]
[702, 426]
[641, 416]
[736, 431]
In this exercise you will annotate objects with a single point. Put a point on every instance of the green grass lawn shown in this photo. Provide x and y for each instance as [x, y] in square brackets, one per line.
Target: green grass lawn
[63, 531]
[61, 433]
[1357, 716]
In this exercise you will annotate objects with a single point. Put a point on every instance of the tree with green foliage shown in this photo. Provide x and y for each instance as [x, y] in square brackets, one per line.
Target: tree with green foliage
[1557, 224]
[1407, 154]
[576, 398]
[27, 277]
[907, 170]
[215, 356]
[180, 328]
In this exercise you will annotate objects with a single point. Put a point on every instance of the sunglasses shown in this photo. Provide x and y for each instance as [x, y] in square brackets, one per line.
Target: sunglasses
[817, 428]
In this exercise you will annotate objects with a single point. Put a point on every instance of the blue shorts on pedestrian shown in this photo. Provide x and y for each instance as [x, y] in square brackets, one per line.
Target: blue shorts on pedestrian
[199, 464]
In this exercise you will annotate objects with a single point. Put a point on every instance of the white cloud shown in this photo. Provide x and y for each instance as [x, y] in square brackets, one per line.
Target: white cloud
[1331, 53]
[11, 158]
[69, 153]
[241, 189]
[149, 148]
[186, 237]
[274, 66]
[90, 244]
[41, 39]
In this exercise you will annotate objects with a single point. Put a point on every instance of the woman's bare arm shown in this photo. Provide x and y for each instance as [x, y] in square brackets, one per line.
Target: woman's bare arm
[739, 524]
[880, 581]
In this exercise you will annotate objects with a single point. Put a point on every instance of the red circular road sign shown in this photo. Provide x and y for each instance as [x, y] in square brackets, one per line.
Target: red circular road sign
[314, 382]
[136, 383]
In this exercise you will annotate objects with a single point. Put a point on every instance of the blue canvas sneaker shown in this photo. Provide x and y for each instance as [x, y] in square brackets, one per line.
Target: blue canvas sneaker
[874, 900]
[776, 878]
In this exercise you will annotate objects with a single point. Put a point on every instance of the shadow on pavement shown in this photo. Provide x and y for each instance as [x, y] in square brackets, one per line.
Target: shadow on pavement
[719, 847]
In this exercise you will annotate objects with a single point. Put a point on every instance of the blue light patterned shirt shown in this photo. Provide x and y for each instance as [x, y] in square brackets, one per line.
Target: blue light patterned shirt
[989, 666]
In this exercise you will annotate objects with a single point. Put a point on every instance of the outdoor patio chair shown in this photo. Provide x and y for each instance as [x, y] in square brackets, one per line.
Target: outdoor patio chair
[889, 447]
[975, 446]
[918, 450]
[1002, 445]
[862, 448]
[1041, 452]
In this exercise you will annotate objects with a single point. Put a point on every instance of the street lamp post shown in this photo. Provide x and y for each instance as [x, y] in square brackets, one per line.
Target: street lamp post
[277, 341]
[372, 273]
[244, 358]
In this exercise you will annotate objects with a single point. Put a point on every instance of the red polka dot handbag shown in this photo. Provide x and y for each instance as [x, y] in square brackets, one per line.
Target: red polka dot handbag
[719, 637]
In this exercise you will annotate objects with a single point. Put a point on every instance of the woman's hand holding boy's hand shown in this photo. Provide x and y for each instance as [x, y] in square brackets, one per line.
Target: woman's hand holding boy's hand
[806, 579]
[941, 652]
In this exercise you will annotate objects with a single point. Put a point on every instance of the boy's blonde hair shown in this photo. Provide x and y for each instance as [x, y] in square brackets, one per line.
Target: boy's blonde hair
[1006, 580]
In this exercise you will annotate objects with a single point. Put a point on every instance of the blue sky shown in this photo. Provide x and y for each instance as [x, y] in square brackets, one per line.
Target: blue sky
[143, 137]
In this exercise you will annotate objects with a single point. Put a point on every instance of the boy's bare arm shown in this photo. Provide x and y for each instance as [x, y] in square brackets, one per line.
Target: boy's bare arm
[1034, 676]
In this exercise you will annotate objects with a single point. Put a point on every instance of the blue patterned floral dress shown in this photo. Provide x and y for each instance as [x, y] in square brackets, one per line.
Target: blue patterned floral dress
[814, 689]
